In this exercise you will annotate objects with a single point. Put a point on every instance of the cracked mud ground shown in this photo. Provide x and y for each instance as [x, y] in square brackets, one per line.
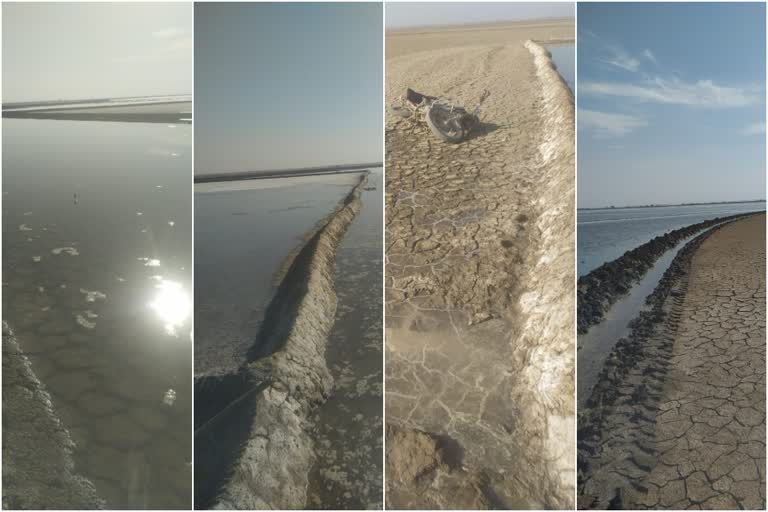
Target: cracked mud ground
[461, 236]
[703, 445]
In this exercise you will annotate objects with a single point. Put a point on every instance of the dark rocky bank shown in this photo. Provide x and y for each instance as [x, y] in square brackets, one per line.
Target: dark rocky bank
[601, 288]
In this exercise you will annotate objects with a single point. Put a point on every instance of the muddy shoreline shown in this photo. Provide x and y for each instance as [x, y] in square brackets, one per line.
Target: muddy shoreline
[598, 290]
[253, 449]
[624, 402]
[38, 467]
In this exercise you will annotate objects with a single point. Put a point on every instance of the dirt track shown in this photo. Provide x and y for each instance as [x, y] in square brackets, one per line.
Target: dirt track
[710, 429]
[687, 428]
[467, 227]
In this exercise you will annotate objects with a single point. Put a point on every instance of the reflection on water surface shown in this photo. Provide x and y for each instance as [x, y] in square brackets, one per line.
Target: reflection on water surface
[98, 294]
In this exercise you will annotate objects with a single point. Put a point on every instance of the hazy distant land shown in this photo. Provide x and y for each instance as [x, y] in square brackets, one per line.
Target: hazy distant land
[670, 205]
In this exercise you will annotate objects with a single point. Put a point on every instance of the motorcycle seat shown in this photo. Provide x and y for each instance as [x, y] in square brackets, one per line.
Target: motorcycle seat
[416, 98]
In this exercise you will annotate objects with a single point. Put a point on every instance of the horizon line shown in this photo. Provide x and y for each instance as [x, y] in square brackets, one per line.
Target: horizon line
[667, 205]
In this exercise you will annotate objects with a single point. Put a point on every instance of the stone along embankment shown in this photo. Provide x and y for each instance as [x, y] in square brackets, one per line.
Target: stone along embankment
[602, 287]
[678, 419]
[479, 284]
[253, 449]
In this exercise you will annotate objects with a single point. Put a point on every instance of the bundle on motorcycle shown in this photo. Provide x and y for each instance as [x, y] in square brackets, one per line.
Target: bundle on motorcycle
[449, 122]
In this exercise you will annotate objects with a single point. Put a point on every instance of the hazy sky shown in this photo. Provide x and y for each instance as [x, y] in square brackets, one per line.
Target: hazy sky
[87, 50]
[453, 13]
[671, 103]
[287, 85]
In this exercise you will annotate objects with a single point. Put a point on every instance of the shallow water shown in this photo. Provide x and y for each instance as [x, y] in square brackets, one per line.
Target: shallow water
[97, 273]
[564, 57]
[598, 342]
[244, 230]
[349, 427]
[605, 234]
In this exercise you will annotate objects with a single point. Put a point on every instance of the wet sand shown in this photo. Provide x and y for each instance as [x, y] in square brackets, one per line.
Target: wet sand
[479, 281]
[685, 424]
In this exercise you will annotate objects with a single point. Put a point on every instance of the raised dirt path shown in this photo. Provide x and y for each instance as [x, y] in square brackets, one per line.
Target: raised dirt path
[710, 428]
[683, 426]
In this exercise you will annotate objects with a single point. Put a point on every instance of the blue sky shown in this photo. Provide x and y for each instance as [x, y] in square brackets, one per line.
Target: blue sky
[281, 85]
[409, 14]
[671, 102]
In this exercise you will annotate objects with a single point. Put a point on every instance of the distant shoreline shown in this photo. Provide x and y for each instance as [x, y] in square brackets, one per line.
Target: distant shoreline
[286, 173]
[477, 25]
[157, 109]
[668, 205]
[121, 101]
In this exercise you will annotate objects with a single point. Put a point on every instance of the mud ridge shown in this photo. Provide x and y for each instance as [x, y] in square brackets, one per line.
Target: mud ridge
[254, 451]
[602, 287]
[616, 440]
[38, 468]
[543, 352]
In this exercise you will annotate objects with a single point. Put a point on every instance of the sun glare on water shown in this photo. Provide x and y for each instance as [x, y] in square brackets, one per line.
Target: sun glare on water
[172, 304]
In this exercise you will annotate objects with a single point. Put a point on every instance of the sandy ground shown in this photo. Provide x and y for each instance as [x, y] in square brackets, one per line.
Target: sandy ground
[468, 248]
[688, 430]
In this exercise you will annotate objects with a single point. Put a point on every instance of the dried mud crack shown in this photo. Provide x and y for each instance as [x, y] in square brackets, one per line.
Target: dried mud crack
[253, 448]
[678, 417]
[479, 287]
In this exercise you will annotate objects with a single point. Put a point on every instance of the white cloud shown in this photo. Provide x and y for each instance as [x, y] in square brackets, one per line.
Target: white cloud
[606, 124]
[703, 93]
[622, 59]
[754, 129]
[648, 54]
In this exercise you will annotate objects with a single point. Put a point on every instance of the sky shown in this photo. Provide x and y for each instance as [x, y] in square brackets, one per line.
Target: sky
[671, 103]
[96, 50]
[409, 14]
[285, 85]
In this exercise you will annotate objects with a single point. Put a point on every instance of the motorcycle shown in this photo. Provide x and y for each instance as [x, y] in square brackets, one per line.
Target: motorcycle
[448, 122]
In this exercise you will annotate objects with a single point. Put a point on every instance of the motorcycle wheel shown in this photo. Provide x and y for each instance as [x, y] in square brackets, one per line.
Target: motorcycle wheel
[445, 124]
